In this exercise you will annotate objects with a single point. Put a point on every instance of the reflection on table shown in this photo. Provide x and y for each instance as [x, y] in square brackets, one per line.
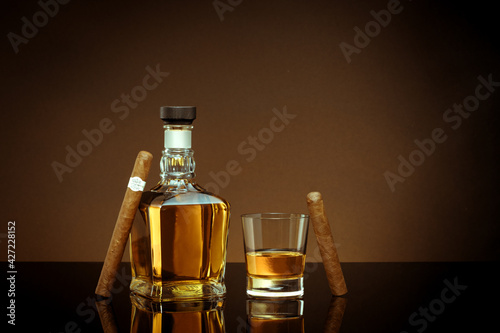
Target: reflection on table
[193, 316]
[335, 314]
[275, 315]
[383, 297]
[207, 316]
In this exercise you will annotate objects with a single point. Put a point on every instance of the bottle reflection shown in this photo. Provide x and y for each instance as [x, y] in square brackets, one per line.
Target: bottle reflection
[194, 316]
[275, 315]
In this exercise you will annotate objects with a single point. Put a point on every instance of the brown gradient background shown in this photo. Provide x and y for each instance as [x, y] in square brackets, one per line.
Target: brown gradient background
[353, 120]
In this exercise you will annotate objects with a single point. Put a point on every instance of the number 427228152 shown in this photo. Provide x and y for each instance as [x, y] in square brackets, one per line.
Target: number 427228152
[11, 247]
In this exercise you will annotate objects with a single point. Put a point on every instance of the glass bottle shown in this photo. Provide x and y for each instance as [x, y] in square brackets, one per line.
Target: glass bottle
[178, 241]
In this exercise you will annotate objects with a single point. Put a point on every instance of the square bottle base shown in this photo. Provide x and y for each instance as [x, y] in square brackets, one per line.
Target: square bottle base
[178, 290]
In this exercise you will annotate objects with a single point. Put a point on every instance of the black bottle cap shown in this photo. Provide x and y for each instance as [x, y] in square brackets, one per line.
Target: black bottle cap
[178, 115]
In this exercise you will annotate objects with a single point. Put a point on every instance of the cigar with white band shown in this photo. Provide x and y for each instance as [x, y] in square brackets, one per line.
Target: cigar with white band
[123, 223]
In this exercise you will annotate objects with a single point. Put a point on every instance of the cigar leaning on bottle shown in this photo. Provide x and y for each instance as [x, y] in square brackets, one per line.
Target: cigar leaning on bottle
[124, 223]
[326, 244]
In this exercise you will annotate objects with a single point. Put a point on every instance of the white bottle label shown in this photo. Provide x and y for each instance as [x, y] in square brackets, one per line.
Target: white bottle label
[136, 184]
[177, 139]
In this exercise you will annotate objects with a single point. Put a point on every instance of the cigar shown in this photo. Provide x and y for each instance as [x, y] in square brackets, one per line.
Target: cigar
[124, 223]
[335, 314]
[326, 245]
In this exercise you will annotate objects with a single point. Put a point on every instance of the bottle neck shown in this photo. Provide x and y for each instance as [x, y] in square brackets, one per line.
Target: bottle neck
[177, 161]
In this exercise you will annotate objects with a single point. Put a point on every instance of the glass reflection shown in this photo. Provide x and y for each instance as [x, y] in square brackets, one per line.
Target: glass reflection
[275, 315]
[193, 316]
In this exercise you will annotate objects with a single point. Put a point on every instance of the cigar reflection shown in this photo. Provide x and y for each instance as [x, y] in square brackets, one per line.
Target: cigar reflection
[105, 310]
[275, 315]
[335, 314]
[193, 316]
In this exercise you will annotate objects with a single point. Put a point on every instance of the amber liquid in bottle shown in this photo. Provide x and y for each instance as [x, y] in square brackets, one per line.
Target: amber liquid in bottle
[179, 249]
[178, 241]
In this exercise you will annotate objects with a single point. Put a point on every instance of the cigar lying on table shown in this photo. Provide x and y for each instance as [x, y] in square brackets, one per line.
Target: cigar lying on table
[124, 223]
[326, 245]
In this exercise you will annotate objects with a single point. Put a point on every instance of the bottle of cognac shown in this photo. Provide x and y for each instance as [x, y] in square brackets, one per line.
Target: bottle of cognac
[178, 241]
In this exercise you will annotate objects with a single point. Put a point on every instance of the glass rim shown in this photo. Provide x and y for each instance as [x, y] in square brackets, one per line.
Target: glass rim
[274, 216]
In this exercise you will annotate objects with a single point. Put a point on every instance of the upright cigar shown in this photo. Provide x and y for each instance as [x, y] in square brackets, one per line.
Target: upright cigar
[326, 244]
[124, 223]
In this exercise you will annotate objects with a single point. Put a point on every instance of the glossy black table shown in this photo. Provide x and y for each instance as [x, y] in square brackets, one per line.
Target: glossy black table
[383, 297]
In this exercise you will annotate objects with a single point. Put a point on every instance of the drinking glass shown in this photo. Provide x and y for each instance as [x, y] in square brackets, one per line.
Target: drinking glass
[275, 253]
